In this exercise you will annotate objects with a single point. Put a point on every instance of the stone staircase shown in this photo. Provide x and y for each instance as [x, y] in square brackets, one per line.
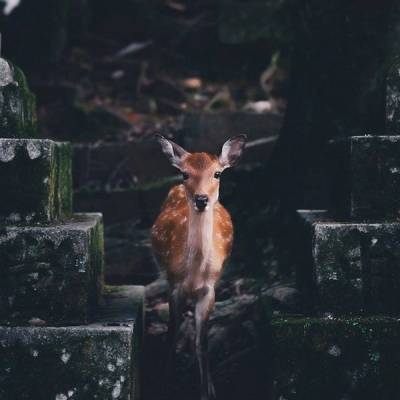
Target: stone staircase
[345, 346]
[63, 334]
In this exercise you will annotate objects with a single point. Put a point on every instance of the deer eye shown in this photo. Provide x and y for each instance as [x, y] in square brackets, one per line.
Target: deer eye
[217, 175]
[185, 176]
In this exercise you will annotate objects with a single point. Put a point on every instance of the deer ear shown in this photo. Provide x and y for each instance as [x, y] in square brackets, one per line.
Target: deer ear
[174, 152]
[232, 151]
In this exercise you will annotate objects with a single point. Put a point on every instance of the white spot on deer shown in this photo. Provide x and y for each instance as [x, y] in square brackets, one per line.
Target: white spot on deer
[183, 220]
[61, 396]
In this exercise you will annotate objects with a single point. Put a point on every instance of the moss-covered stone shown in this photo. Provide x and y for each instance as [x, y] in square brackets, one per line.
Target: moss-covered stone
[366, 176]
[53, 273]
[355, 266]
[63, 197]
[333, 359]
[35, 181]
[17, 103]
[96, 361]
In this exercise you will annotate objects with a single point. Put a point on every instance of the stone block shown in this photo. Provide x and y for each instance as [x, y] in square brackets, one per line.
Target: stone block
[355, 266]
[17, 103]
[332, 359]
[95, 361]
[208, 131]
[35, 181]
[54, 273]
[366, 176]
[119, 166]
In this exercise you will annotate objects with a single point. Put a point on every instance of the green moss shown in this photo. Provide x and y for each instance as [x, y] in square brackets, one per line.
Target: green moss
[63, 193]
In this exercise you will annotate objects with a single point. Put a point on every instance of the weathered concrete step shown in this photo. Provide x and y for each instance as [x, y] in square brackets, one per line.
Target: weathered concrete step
[17, 103]
[333, 359]
[52, 273]
[35, 181]
[366, 176]
[95, 361]
[355, 266]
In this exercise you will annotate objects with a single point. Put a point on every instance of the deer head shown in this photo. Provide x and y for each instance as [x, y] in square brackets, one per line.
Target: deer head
[201, 172]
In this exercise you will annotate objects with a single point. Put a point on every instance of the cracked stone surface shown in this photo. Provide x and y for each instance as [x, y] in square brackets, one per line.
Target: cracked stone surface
[95, 361]
[355, 266]
[54, 273]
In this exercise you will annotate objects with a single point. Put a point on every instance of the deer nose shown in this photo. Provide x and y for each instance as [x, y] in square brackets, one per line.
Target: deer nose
[201, 201]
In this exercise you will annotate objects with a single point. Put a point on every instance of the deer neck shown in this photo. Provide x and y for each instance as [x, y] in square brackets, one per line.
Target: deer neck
[200, 235]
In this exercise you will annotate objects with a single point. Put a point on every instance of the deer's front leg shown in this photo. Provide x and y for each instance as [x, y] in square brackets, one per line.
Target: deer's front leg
[204, 304]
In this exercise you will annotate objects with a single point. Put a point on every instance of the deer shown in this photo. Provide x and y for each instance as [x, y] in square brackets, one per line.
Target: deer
[192, 238]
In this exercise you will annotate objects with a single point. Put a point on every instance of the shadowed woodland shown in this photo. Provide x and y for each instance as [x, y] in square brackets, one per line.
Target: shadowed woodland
[292, 75]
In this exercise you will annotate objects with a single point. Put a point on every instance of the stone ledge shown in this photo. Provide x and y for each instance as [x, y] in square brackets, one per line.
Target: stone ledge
[355, 266]
[100, 360]
[52, 273]
[35, 181]
[346, 358]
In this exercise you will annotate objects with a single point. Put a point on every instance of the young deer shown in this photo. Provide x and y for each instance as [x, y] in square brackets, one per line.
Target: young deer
[192, 237]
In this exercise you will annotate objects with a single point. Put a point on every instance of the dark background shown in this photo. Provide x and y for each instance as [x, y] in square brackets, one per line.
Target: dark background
[109, 75]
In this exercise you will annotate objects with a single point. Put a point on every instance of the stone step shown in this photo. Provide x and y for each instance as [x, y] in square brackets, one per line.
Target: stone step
[207, 131]
[17, 105]
[366, 176]
[95, 361]
[127, 165]
[35, 181]
[52, 273]
[332, 359]
[355, 266]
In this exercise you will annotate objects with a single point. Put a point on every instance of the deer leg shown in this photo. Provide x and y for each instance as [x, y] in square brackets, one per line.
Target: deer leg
[204, 304]
[176, 303]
